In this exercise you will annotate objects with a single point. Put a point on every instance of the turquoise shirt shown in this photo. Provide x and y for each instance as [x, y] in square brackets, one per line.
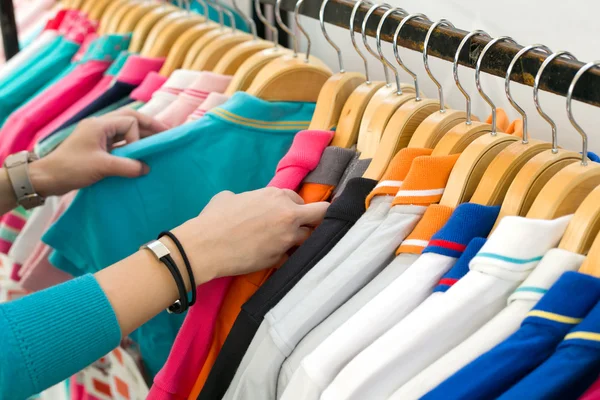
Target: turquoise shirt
[235, 147]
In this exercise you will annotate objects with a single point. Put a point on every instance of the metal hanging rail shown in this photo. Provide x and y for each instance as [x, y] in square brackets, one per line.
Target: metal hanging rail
[445, 41]
[10, 37]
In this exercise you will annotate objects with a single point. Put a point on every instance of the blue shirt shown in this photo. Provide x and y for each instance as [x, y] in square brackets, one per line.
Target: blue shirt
[461, 267]
[571, 370]
[487, 377]
[235, 147]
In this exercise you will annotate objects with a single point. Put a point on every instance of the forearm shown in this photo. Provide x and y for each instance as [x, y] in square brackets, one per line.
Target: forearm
[7, 194]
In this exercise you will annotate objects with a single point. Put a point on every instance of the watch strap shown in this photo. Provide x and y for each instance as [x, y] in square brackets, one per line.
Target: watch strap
[17, 166]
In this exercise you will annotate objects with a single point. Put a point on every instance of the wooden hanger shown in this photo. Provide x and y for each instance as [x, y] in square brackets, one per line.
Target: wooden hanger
[97, 8]
[566, 190]
[585, 225]
[245, 74]
[435, 126]
[337, 89]
[180, 48]
[384, 101]
[500, 174]
[405, 120]
[88, 5]
[158, 18]
[160, 40]
[534, 175]
[290, 78]
[113, 14]
[134, 16]
[481, 148]
[590, 264]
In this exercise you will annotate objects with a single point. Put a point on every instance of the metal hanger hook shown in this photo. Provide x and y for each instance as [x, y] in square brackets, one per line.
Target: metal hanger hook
[455, 69]
[220, 12]
[536, 98]
[248, 20]
[205, 9]
[331, 42]
[301, 28]
[366, 43]
[353, 39]
[478, 80]
[231, 17]
[447, 24]
[266, 22]
[285, 28]
[584, 136]
[410, 17]
[507, 84]
[378, 41]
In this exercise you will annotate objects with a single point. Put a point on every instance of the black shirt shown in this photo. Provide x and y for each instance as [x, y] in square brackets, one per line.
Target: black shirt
[340, 217]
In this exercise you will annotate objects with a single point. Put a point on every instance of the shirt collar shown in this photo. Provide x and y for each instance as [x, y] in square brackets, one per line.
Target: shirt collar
[467, 222]
[350, 205]
[517, 246]
[106, 48]
[136, 68]
[208, 82]
[461, 267]
[550, 268]
[432, 221]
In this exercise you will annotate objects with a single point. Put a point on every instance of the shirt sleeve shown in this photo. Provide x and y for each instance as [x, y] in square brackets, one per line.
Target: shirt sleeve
[50, 335]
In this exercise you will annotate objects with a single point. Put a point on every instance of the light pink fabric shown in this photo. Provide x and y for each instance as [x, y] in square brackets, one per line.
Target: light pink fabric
[177, 377]
[178, 111]
[213, 100]
[133, 72]
[23, 124]
[37, 273]
[149, 85]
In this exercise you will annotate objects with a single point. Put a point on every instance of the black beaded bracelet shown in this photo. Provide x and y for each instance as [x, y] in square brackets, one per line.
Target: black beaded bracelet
[186, 261]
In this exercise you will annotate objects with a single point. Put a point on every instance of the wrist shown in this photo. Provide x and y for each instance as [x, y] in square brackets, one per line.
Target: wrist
[43, 178]
[200, 270]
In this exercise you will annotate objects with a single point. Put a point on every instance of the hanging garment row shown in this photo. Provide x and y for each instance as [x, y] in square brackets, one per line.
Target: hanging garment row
[458, 258]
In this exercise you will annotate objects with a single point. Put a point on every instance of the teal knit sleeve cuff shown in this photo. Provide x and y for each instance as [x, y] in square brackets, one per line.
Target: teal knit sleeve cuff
[52, 334]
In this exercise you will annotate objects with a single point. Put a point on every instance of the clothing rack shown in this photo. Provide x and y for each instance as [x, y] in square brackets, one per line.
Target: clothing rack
[10, 37]
[445, 41]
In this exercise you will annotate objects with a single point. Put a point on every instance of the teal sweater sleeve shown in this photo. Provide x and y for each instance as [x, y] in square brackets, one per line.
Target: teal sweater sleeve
[50, 335]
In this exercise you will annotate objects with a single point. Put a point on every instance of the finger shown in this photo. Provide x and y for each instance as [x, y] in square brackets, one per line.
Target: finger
[312, 214]
[147, 125]
[119, 127]
[302, 234]
[295, 197]
[125, 167]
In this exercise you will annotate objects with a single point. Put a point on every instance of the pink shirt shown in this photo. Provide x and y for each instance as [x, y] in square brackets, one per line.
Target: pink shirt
[151, 83]
[37, 273]
[177, 112]
[133, 72]
[177, 377]
[213, 100]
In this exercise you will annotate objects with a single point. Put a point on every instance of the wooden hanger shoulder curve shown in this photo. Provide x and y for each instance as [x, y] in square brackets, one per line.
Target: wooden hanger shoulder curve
[235, 57]
[161, 17]
[332, 99]
[97, 9]
[398, 133]
[383, 114]
[591, 264]
[429, 133]
[181, 47]
[290, 78]
[565, 191]
[209, 56]
[113, 15]
[474, 159]
[346, 133]
[135, 15]
[243, 77]
[585, 225]
[201, 43]
[158, 45]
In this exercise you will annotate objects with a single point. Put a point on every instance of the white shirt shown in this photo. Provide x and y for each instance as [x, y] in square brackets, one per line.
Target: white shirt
[506, 259]
[552, 266]
[28, 52]
[179, 80]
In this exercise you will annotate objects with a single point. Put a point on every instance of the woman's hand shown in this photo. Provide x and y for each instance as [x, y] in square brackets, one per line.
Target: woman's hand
[84, 159]
[237, 234]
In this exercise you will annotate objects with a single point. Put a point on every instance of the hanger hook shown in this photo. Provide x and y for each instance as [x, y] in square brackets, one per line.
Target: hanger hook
[331, 42]
[231, 17]
[378, 41]
[353, 39]
[584, 136]
[219, 11]
[455, 68]
[447, 24]
[422, 17]
[478, 73]
[507, 85]
[301, 28]
[266, 22]
[285, 28]
[536, 99]
[248, 20]
[366, 43]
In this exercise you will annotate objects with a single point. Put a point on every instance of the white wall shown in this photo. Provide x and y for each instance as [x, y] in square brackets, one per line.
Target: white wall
[562, 25]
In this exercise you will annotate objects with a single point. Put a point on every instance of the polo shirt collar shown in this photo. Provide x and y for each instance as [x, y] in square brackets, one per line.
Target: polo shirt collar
[151, 83]
[461, 267]
[106, 48]
[433, 220]
[136, 68]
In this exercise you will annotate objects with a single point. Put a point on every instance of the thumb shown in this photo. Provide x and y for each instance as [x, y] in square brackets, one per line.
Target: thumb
[125, 167]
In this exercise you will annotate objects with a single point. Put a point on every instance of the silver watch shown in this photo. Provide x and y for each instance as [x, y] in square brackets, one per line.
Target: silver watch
[17, 166]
